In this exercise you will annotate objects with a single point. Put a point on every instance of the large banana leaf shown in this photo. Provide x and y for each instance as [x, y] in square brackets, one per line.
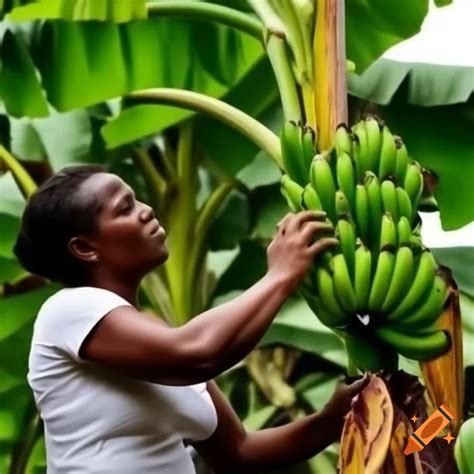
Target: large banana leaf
[373, 26]
[441, 139]
[89, 62]
[428, 84]
[98, 51]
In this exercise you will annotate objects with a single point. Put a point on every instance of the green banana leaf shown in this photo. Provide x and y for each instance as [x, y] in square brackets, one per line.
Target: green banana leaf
[20, 89]
[428, 84]
[441, 139]
[372, 27]
[98, 51]
[64, 138]
[81, 10]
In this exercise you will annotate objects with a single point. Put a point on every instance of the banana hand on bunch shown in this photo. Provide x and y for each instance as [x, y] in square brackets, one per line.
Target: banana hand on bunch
[297, 149]
[381, 290]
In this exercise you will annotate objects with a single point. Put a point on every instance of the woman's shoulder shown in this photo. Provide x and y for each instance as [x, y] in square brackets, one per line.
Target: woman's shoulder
[79, 297]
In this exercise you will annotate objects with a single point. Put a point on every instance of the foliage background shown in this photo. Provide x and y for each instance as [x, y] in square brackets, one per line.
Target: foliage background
[60, 86]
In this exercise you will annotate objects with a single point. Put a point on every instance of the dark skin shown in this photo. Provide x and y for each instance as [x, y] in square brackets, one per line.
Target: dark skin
[129, 243]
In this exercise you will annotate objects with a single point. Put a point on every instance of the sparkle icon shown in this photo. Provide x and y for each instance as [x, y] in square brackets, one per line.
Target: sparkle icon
[449, 438]
[414, 418]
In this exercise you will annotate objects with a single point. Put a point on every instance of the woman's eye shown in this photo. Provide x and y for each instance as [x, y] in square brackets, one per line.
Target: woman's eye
[128, 208]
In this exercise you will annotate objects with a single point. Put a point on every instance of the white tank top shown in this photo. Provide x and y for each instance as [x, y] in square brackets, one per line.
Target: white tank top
[95, 420]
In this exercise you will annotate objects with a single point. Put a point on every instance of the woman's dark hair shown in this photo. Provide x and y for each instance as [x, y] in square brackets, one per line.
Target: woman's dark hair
[54, 213]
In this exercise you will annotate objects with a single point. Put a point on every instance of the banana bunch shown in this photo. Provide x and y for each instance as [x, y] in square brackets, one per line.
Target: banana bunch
[381, 289]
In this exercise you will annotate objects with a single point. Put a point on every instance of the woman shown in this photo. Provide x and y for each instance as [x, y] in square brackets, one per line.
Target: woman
[119, 390]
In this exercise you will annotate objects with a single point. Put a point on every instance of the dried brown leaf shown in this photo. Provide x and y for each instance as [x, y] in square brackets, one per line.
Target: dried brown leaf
[351, 458]
[444, 376]
[369, 423]
[396, 462]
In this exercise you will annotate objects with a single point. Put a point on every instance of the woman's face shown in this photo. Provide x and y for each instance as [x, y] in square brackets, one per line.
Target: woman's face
[129, 238]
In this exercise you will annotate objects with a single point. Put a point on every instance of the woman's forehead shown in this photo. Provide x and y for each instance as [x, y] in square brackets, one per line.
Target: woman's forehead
[103, 186]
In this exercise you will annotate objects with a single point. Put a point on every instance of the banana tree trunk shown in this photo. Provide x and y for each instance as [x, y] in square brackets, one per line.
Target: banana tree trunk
[330, 88]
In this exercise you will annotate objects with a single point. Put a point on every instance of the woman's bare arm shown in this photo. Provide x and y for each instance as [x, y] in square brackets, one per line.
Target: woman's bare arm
[138, 345]
[230, 449]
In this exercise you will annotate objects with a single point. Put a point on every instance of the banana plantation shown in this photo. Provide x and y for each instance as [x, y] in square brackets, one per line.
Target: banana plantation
[224, 116]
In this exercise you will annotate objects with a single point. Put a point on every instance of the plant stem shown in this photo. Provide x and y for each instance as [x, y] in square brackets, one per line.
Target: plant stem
[25, 183]
[20, 458]
[269, 17]
[276, 37]
[277, 53]
[245, 124]
[155, 183]
[181, 217]
[201, 227]
[208, 12]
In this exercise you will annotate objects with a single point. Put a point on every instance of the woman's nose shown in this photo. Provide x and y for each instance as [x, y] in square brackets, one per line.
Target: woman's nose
[147, 214]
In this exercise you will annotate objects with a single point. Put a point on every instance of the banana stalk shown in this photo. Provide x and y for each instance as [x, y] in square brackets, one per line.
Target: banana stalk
[329, 70]
[264, 138]
[208, 12]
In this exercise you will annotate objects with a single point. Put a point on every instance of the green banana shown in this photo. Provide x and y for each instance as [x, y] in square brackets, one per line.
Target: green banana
[356, 157]
[389, 199]
[374, 142]
[388, 232]
[416, 244]
[414, 183]
[308, 139]
[345, 176]
[428, 346]
[430, 308]
[292, 192]
[324, 315]
[403, 273]
[370, 355]
[327, 296]
[342, 205]
[381, 281]
[375, 206]
[323, 183]
[404, 204]
[388, 155]
[310, 199]
[420, 286]
[345, 232]
[292, 153]
[363, 158]
[362, 212]
[403, 231]
[343, 140]
[342, 284]
[362, 280]
[402, 160]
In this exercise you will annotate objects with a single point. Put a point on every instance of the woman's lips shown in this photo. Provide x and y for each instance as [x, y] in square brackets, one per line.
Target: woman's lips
[158, 231]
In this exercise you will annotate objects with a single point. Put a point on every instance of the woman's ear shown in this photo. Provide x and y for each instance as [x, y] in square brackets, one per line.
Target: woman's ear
[83, 250]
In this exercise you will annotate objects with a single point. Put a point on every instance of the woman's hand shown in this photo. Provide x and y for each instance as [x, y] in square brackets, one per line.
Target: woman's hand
[340, 402]
[293, 248]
